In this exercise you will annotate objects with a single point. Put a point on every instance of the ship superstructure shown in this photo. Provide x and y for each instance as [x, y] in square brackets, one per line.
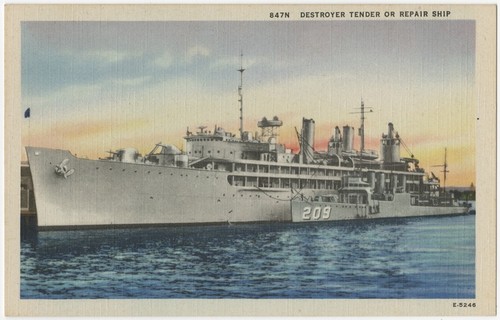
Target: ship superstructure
[265, 163]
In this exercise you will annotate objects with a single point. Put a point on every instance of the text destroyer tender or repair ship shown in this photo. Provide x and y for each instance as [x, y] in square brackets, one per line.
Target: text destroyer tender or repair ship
[221, 178]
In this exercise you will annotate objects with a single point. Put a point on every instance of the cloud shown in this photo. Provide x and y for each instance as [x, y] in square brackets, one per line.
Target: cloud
[165, 60]
[132, 82]
[105, 57]
[236, 61]
[197, 51]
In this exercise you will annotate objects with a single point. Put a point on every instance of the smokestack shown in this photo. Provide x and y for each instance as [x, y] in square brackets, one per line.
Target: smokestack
[335, 143]
[348, 140]
[307, 140]
[390, 145]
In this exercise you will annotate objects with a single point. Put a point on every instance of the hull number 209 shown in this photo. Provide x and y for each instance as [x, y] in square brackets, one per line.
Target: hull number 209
[316, 213]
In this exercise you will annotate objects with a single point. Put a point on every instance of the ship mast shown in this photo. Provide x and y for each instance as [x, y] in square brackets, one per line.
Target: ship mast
[362, 128]
[445, 170]
[240, 93]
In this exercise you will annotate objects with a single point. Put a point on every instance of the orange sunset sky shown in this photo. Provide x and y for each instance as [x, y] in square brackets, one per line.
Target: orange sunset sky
[95, 86]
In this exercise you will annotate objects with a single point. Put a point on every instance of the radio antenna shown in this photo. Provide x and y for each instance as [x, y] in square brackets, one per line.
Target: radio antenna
[240, 93]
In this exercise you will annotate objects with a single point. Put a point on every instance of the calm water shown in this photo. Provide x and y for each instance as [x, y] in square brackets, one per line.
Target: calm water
[409, 258]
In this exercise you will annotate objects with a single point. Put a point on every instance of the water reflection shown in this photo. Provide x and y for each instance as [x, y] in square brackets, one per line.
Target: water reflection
[368, 259]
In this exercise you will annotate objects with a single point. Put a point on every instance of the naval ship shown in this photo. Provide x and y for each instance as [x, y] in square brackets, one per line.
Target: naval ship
[222, 177]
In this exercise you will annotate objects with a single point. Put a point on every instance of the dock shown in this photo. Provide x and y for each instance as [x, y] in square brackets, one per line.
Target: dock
[28, 205]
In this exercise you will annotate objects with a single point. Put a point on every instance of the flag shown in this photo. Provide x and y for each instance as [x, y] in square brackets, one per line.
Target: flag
[27, 113]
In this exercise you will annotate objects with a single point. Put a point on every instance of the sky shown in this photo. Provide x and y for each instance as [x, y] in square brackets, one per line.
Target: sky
[96, 86]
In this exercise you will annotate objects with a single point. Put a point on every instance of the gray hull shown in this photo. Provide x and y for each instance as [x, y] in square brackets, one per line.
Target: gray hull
[101, 193]
[304, 211]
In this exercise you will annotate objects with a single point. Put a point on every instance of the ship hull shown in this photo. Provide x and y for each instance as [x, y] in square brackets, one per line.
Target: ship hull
[304, 211]
[108, 194]
[111, 194]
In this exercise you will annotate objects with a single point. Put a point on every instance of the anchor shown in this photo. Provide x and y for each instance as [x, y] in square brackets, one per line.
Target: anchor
[62, 169]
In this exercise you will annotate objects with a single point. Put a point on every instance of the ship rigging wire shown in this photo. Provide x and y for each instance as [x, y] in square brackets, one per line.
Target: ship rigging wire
[406, 147]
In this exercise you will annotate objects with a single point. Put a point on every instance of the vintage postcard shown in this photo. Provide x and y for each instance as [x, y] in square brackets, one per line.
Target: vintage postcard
[250, 160]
